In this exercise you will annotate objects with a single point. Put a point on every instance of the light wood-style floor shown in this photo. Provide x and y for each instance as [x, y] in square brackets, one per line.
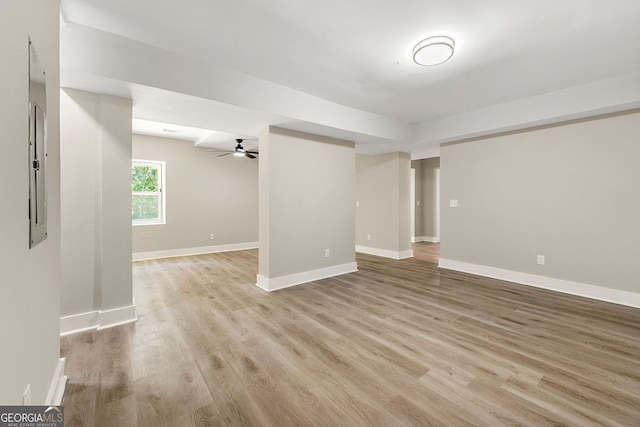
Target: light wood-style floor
[397, 343]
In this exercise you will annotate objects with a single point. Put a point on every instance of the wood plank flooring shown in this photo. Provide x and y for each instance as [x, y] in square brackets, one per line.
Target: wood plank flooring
[396, 343]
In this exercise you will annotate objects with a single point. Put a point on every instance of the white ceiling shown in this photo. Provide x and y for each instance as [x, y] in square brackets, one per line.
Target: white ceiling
[343, 68]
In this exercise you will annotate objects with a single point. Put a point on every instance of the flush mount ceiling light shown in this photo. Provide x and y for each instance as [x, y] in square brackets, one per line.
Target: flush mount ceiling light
[433, 50]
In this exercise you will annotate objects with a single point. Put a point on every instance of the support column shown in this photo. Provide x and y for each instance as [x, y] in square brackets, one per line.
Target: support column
[307, 209]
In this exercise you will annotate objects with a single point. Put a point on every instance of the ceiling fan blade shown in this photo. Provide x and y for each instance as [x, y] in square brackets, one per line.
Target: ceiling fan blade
[252, 152]
[249, 155]
[225, 154]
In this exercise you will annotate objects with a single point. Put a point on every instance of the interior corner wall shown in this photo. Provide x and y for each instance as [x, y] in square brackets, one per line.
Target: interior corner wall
[383, 199]
[206, 194]
[96, 209]
[568, 192]
[307, 195]
[264, 254]
[116, 281]
[29, 278]
[81, 248]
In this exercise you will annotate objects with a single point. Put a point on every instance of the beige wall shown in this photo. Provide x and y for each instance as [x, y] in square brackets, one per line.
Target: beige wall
[29, 278]
[206, 194]
[568, 192]
[96, 202]
[81, 205]
[383, 214]
[307, 194]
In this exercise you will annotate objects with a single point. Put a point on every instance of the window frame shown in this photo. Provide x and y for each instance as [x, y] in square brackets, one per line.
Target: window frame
[161, 166]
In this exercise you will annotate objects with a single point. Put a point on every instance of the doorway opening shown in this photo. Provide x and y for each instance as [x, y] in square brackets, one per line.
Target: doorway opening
[425, 213]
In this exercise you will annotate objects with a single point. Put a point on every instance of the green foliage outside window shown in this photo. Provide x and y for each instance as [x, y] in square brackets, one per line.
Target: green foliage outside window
[144, 207]
[144, 178]
[145, 189]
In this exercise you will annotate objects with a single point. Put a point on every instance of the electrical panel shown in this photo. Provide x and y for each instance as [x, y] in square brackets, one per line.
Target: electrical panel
[37, 150]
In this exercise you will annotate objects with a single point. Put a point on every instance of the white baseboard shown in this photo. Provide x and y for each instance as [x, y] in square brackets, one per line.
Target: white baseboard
[97, 320]
[616, 296]
[418, 239]
[79, 322]
[118, 316]
[386, 253]
[58, 384]
[273, 284]
[171, 253]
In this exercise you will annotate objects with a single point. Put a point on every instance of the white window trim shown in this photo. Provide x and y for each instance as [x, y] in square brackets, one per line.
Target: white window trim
[162, 171]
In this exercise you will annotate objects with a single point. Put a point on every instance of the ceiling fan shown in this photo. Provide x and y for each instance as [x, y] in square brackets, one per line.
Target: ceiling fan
[238, 151]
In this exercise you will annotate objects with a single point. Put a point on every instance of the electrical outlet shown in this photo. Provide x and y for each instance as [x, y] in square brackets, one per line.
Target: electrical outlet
[26, 396]
[540, 259]
[368, 236]
[357, 204]
[212, 236]
[327, 253]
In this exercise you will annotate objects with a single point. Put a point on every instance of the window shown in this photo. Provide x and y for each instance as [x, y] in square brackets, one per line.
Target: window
[147, 192]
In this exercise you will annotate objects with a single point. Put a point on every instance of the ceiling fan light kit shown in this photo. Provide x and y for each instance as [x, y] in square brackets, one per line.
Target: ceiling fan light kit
[239, 151]
[433, 50]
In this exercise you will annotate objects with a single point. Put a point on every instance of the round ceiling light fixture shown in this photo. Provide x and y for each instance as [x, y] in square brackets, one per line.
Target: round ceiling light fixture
[433, 50]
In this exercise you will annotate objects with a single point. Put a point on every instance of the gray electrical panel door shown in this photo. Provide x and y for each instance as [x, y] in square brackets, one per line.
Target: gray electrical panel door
[37, 150]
